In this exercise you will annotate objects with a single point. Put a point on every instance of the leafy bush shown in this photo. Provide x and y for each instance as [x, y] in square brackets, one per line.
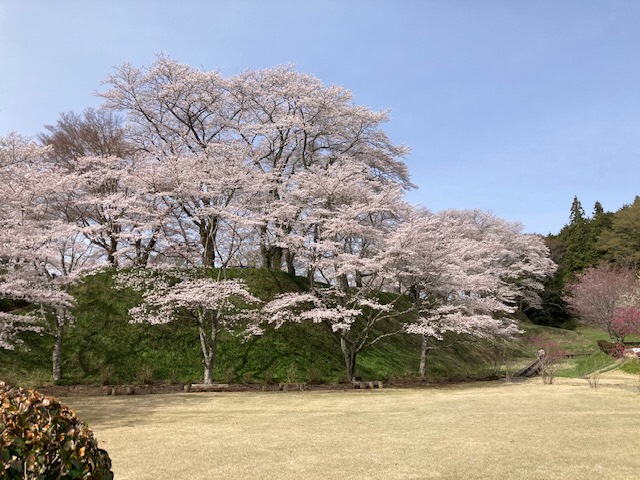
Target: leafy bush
[41, 439]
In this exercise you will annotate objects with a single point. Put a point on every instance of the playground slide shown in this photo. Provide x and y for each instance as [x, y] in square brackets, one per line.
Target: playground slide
[530, 370]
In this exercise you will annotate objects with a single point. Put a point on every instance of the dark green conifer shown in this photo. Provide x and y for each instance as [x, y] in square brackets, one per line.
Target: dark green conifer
[597, 210]
[576, 216]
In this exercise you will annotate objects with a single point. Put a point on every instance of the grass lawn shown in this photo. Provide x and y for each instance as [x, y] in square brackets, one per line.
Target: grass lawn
[473, 431]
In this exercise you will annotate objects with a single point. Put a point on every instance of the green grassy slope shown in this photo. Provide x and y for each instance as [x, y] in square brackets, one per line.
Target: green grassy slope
[103, 347]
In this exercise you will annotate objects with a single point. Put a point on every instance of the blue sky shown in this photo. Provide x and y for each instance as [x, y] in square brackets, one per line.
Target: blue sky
[508, 106]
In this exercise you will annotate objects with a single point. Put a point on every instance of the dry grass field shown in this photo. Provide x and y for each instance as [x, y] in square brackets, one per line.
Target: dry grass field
[475, 431]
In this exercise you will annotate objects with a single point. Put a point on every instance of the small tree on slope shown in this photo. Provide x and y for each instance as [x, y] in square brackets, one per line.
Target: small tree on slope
[212, 304]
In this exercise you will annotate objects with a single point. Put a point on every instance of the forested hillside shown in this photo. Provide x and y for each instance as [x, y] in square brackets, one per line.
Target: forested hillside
[586, 241]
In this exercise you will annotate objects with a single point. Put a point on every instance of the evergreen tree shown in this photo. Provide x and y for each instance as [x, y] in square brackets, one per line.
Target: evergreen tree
[576, 216]
[597, 210]
[554, 312]
[578, 239]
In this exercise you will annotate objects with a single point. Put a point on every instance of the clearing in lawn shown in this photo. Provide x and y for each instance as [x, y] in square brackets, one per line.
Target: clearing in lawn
[484, 430]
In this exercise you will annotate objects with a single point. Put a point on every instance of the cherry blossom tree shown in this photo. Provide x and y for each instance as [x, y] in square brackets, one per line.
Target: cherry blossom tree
[107, 194]
[213, 304]
[293, 124]
[41, 253]
[521, 260]
[112, 205]
[454, 277]
[596, 294]
[272, 156]
[38, 288]
[341, 239]
[350, 316]
[178, 117]
[12, 325]
[206, 196]
[231, 149]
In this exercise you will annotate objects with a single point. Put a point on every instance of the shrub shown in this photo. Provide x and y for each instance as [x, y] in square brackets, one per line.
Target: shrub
[314, 376]
[145, 374]
[107, 375]
[550, 355]
[41, 439]
[228, 375]
[594, 379]
[616, 350]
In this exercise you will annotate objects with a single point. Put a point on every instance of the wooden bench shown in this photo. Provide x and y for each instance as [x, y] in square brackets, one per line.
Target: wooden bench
[203, 387]
[285, 387]
[366, 385]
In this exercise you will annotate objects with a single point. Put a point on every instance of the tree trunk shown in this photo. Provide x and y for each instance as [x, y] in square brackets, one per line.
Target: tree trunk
[208, 346]
[143, 253]
[208, 370]
[423, 356]
[276, 258]
[343, 281]
[56, 357]
[271, 257]
[289, 257]
[111, 251]
[207, 230]
[349, 354]
[358, 279]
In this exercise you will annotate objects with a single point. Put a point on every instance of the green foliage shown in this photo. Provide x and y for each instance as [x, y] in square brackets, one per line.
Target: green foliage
[598, 210]
[579, 247]
[554, 309]
[580, 242]
[30, 363]
[307, 346]
[42, 439]
[583, 243]
[621, 243]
